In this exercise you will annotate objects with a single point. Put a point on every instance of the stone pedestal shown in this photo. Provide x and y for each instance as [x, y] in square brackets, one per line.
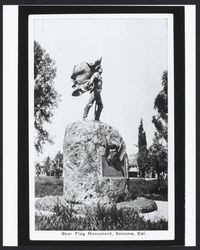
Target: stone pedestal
[95, 163]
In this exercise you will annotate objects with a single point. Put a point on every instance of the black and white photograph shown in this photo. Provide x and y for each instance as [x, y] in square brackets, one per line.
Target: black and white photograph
[101, 106]
[99, 125]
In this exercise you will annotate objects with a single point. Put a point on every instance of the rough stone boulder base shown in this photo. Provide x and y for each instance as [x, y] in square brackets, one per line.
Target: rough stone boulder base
[86, 156]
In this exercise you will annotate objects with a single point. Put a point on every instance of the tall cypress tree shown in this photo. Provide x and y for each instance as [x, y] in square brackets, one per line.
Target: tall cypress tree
[142, 142]
[142, 150]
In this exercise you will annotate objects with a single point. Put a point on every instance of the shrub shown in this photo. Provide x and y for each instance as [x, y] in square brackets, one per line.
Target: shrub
[148, 189]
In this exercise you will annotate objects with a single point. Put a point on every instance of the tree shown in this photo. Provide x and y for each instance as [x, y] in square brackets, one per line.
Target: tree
[58, 164]
[45, 96]
[142, 150]
[142, 142]
[47, 166]
[158, 157]
[158, 152]
[161, 106]
[38, 169]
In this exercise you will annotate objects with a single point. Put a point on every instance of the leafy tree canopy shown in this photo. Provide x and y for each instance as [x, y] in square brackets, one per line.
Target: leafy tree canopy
[158, 157]
[46, 97]
[47, 164]
[59, 159]
[161, 106]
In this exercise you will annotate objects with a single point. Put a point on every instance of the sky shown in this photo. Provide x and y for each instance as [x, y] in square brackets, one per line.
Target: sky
[134, 52]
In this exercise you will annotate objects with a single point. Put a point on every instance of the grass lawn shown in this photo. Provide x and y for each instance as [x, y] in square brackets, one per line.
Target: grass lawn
[101, 218]
[48, 185]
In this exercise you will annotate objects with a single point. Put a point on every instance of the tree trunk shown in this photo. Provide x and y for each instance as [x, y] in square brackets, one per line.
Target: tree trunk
[158, 173]
[143, 173]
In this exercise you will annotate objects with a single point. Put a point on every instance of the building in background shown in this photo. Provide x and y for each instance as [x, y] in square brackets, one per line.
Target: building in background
[133, 166]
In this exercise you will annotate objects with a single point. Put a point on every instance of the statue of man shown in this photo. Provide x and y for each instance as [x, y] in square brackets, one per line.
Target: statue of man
[87, 77]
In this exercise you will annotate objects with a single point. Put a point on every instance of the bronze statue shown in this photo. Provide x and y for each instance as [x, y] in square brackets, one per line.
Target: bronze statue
[87, 77]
